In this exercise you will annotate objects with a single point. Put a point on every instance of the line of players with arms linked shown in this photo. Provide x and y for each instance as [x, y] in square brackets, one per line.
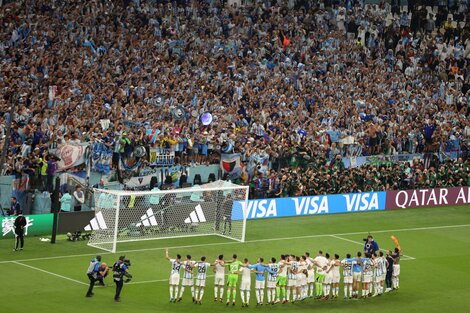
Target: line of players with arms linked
[292, 278]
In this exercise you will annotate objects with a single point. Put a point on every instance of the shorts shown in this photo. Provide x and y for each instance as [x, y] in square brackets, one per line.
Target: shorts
[282, 281]
[377, 279]
[271, 284]
[367, 279]
[187, 282]
[311, 277]
[219, 280]
[335, 279]
[320, 277]
[292, 282]
[301, 280]
[175, 279]
[260, 284]
[357, 276]
[328, 279]
[232, 280]
[396, 269]
[382, 277]
[245, 285]
[200, 283]
[348, 279]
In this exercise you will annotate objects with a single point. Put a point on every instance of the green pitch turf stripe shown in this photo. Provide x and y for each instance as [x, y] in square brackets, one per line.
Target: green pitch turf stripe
[248, 241]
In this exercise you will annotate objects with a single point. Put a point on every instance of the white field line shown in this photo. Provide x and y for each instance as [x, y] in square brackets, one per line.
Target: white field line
[248, 241]
[360, 243]
[50, 273]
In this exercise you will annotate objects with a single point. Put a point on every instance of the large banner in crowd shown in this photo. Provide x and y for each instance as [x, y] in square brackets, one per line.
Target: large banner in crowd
[313, 205]
[71, 155]
[404, 199]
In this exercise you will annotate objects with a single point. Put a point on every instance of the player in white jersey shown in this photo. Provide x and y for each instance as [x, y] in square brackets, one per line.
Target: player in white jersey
[382, 269]
[282, 279]
[174, 275]
[188, 277]
[328, 278]
[367, 274]
[219, 281]
[292, 270]
[336, 263]
[202, 268]
[310, 275]
[302, 278]
[245, 286]
[273, 290]
[348, 265]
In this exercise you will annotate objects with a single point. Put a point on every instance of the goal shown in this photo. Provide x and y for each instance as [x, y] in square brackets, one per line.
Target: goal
[128, 216]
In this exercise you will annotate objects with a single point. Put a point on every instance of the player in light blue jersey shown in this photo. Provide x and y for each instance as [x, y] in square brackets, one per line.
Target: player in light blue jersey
[174, 275]
[367, 274]
[273, 290]
[357, 274]
[348, 264]
[292, 271]
[260, 269]
[202, 267]
[188, 277]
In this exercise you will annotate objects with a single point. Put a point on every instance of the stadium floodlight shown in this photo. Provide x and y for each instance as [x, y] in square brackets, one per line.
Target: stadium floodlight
[128, 216]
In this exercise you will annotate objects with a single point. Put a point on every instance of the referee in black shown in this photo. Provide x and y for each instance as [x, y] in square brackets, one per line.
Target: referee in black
[19, 224]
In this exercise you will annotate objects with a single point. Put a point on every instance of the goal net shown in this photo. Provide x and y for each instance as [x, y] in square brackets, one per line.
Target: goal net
[126, 216]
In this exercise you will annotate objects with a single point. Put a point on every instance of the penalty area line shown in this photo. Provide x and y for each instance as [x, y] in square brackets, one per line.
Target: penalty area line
[408, 258]
[50, 273]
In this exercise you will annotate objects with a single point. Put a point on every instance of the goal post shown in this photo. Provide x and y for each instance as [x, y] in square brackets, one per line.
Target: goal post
[215, 208]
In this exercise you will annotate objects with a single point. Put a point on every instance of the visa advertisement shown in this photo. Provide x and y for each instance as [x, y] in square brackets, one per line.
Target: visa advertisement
[312, 205]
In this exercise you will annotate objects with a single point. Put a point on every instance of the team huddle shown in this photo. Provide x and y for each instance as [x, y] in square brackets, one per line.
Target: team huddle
[291, 278]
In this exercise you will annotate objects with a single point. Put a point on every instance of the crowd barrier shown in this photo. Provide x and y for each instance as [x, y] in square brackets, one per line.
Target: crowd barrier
[41, 224]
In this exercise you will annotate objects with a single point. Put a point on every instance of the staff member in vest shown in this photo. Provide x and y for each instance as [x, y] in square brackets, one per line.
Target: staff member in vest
[65, 202]
[79, 199]
[120, 269]
[92, 274]
[19, 224]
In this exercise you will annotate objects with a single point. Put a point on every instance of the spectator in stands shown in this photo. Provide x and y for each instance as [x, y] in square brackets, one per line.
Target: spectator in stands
[78, 199]
[14, 207]
[65, 202]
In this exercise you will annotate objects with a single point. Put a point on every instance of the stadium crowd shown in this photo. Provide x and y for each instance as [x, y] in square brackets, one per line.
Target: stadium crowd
[330, 79]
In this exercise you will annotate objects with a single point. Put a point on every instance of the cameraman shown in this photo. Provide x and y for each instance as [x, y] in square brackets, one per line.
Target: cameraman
[92, 274]
[370, 246]
[120, 269]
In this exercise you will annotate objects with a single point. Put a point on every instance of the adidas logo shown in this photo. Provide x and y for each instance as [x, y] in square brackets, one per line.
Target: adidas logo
[196, 216]
[148, 219]
[97, 223]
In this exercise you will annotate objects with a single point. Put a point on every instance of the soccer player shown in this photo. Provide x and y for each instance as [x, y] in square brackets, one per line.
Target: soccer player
[245, 286]
[336, 263]
[302, 278]
[382, 268]
[234, 270]
[273, 290]
[310, 275]
[357, 273]
[282, 279]
[367, 273]
[174, 275]
[188, 277]
[292, 270]
[396, 269]
[322, 264]
[219, 282]
[202, 267]
[260, 284]
[328, 278]
[348, 265]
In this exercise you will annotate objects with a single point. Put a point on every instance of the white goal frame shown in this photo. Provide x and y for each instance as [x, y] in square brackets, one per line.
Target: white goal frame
[110, 244]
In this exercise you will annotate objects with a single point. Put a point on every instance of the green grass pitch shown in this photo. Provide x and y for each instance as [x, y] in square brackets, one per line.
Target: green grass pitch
[434, 273]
